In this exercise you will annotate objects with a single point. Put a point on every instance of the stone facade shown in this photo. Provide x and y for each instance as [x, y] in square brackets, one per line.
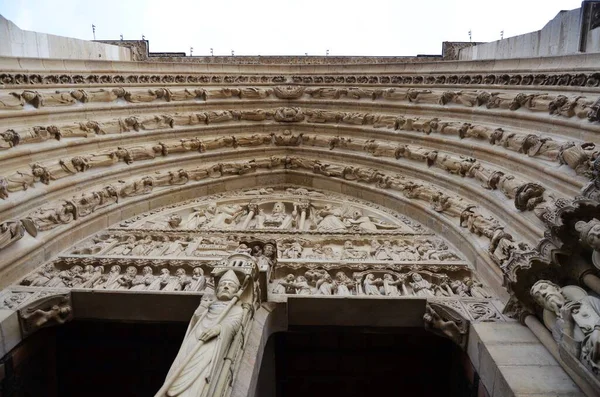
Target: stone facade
[464, 195]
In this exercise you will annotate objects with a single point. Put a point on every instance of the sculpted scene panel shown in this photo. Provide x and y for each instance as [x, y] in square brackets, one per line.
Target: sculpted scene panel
[279, 209]
[381, 282]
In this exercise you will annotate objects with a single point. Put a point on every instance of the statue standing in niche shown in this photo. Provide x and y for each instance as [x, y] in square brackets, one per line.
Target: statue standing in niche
[344, 284]
[206, 342]
[390, 286]
[277, 218]
[198, 282]
[265, 258]
[325, 285]
[420, 286]
[349, 252]
[285, 286]
[371, 284]
[141, 283]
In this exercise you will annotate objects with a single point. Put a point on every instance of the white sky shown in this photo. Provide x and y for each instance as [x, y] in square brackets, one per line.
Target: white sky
[287, 27]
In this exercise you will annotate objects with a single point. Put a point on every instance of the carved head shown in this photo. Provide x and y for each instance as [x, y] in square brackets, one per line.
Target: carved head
[131, 271]
[76, 269]
[212, 208]
[417, 277]
[198, 272]
[165, 272]
[348, 244]
[589, 233]
[89, 269]
[269, 250]
[356, 214]
[180, 272]
[228, 286]
[115, 269]
[369, 276]
[174, 221]
[548, 295]
[147, 270]
[99, 269]
[388, 277]
[340, 276]
[278, 208]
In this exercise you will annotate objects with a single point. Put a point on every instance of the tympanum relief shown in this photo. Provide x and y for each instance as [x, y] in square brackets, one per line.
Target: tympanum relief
[285, 210]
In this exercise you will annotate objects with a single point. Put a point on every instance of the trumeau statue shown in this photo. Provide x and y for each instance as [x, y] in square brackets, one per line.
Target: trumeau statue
[199, 364]
[573, 316]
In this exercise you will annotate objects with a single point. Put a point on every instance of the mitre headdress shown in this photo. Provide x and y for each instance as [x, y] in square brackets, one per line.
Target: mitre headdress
[230, 276]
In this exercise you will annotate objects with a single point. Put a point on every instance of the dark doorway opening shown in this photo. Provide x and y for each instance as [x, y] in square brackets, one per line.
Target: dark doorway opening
[93, 358]
[349, 361]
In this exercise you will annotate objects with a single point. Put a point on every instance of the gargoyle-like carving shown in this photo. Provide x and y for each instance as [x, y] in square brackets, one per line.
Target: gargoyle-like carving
[46, 311]
[442, 320]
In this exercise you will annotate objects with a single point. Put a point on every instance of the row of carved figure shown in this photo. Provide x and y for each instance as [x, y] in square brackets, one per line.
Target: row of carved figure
[303, 215]
[576, 155]
[321, 282]
[563, 79]
[526, 195]
[387, 250]
[63, 212]
[96, 277]
[420, 249]
[555, 104]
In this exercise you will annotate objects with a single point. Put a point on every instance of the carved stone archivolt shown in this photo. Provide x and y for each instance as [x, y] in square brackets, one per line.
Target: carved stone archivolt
[554, 104]
[301, 212]
[588, 79]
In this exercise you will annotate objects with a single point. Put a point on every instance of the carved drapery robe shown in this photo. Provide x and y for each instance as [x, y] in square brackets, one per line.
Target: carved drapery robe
[204, 364]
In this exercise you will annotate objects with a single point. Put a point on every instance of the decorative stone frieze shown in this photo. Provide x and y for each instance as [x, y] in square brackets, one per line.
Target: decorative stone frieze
[588, 79]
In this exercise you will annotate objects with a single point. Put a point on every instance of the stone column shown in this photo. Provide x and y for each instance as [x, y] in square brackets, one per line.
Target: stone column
[545, 337]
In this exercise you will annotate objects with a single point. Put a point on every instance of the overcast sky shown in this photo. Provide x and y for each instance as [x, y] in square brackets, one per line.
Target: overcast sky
[287, 27]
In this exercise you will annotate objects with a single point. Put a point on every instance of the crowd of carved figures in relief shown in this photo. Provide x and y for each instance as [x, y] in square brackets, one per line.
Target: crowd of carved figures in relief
[116, 278]
[578, 157]
[502, 79]
[324, 217]
[326, 249]
[377, 283]
[574, 106]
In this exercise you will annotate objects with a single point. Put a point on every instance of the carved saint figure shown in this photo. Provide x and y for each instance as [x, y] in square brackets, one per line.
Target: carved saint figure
[214, 217]
[344, 284]
[278, 218]
[390, 286]
[370, 285]
[573, 316]
[206, 342]
[198, 282]
[420, 286]
[141, 283]
[325, 285]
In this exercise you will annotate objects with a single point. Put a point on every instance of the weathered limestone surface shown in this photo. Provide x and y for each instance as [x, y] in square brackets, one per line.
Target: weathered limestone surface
[511, 361]
[440, 190]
